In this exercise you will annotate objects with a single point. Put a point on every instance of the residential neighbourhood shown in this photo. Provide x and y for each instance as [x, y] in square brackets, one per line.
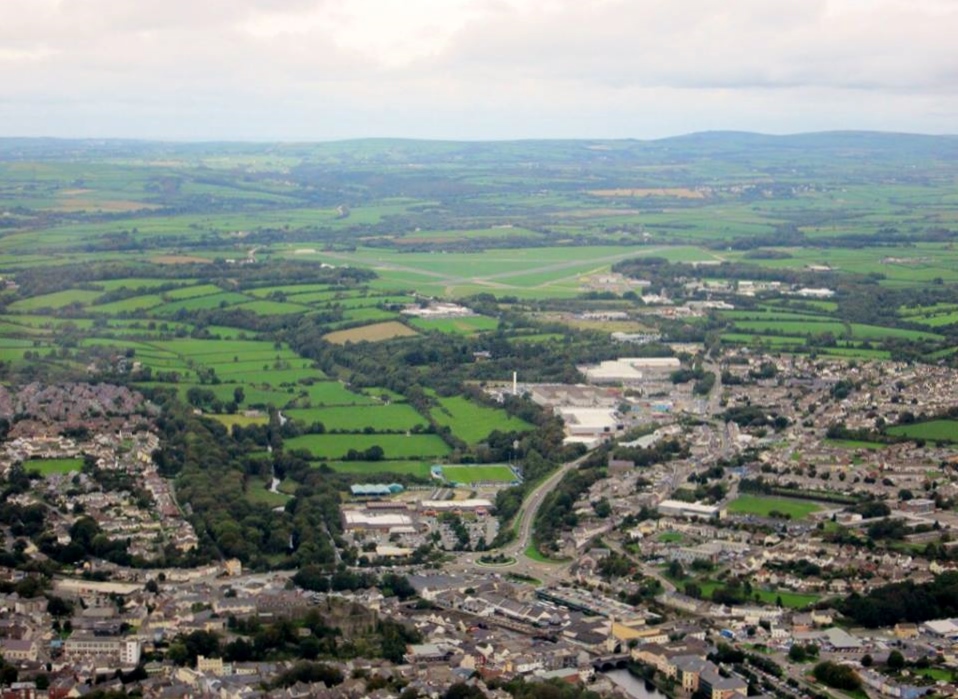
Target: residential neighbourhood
[688, 564]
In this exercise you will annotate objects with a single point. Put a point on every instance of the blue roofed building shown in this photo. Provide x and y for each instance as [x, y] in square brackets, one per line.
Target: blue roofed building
[375, 490]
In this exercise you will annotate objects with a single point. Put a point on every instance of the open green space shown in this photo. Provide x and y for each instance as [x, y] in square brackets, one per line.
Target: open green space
[472, 422]
[765, 506]
[468, 473]
[792, 600]
[854, 444]
[376, 469]
[670, 537]
[241, 420]
[48, 467]
[56, 300]
[938, 674]
[394, 446]
[455, 326]
[532, 552]
[257, 491]
[378, 418]
[326, 393]
[933, 430]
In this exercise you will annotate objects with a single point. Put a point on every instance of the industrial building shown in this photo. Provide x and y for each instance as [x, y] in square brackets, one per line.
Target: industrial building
[476, 505]
[590, 426]
[366, 521]
[629, 369]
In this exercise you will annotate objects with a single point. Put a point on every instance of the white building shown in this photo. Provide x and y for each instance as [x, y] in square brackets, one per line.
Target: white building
[693, 510]
[590, 425]
[629, 369]
[358, 519]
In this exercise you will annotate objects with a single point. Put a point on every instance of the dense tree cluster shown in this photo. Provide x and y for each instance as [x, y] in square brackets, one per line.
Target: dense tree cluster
[905, 602]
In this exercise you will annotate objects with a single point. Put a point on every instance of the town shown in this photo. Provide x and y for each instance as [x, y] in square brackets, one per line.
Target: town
[715, 552]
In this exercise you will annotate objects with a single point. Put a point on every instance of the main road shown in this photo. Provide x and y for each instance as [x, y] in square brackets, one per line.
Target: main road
[547, 571]
[526, 519]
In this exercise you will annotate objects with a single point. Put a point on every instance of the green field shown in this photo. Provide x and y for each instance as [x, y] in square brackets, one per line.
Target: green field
[380, 418]
[55, 300]
[478, 474]
[472, 422]
[241, 420]
[792, 600]
[257, 491]
[375, 468]
[455, 326]
[48, 467]
[395, 446]
[326, 393]
[764, 506]
[937, 674]
[932, 431]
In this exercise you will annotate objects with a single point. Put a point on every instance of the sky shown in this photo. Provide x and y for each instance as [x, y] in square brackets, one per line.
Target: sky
[317, 70]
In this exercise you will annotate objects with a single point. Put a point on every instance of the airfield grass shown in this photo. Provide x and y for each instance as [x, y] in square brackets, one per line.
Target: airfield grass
[932, 431]
[763, 506]
[472, 422]
[48, 467]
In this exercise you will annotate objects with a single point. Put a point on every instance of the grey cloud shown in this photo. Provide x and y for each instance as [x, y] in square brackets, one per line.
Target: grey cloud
[495, 68]
[703, 43]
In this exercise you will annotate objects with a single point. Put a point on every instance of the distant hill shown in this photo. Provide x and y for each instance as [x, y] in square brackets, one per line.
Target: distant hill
[731, 145]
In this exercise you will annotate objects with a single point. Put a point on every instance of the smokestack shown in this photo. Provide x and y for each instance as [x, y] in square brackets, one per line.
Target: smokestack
[515, 383]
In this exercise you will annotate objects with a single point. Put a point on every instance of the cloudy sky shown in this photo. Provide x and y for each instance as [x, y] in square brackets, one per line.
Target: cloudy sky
[473, 69]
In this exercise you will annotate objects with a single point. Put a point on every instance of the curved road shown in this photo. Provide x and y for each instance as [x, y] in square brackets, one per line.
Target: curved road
[527, 515]
[532, 503]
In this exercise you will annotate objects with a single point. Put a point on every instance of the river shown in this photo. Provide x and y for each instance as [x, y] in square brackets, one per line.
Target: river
[634, 686]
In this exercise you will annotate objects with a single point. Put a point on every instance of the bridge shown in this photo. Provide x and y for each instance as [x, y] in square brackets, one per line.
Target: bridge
[611, 662]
